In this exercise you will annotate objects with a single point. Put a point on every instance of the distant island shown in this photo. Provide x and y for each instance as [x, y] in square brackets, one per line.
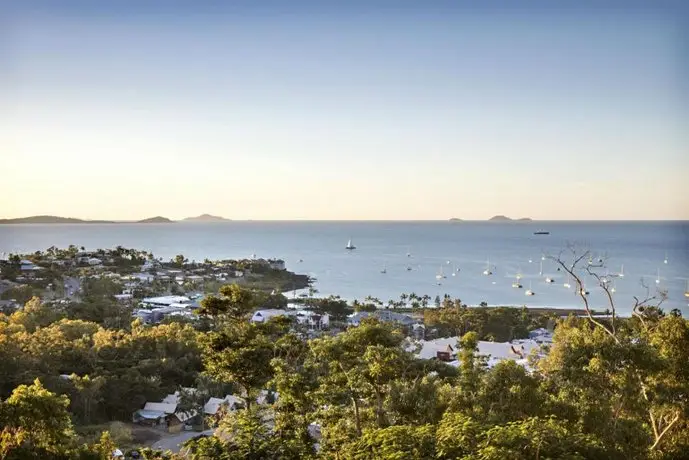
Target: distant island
[52, 220]
[501, 218]
[206, 218]
[455, 219]
[72, 220]
[155, 220]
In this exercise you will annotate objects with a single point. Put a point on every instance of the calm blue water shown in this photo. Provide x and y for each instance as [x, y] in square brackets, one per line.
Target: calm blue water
[640, 246]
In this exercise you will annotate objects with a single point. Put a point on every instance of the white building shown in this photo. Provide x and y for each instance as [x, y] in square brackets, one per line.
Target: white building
[261, 316]
[517, 350]
[166, 301]
[312, 319]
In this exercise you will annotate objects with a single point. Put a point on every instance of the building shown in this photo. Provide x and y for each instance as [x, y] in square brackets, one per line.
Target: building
[495, 352]
[165, 301]
[312, 319]
[230, 402]
[382, 315]
[261, 316]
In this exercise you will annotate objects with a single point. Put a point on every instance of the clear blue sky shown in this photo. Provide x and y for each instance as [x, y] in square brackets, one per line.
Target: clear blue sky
[373, 110]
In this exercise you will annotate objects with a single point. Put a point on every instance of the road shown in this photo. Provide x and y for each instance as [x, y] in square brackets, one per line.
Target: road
[174, 442]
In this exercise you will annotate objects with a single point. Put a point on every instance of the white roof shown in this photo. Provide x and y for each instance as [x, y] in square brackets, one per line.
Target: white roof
[262, 315]
[171, 399]
[168, 408]
[167, 300]
[495, 350]
[213, 405]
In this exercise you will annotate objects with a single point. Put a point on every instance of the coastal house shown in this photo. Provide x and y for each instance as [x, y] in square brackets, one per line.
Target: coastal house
[261, 316]
[164, 414]
[230, 402]
[382, 315]
[165, 301]
[494, 352]
[312, 319]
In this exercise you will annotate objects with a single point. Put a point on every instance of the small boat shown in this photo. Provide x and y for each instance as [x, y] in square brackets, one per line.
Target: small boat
[548, 279]
[350, 246]
[658, 276]
[516, 284]
[612, 289]
[542, 256]
[447, 262]
[530, 260]
[529, 291]
[253, 256]
[301, 260]
[621, 273]
[384, 270]
[408, 268]
[540, 272]
[541, 232]
[408, 252]
[665, 260]
[686, 291]
[487, 271]
[454, 270]
[440, 275]
[584, 291]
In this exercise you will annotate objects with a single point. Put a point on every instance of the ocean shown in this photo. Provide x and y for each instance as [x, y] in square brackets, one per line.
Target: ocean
[648, 251]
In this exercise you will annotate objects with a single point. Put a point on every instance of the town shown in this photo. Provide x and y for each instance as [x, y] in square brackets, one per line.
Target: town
[165, 357]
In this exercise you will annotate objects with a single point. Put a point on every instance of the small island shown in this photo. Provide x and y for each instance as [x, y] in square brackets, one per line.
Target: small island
[501, 218]
[455, 219]
[51, 220]
[155, 220]
[206, 218]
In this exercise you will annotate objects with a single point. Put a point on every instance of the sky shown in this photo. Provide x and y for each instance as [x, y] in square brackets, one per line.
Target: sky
[363, 110]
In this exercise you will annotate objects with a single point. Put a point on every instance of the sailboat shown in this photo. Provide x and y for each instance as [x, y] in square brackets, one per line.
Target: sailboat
[621, 273]
[658, 276]
[350, 246]
[454, 270]
[566, 283]
[540, 272]
[583, 290]
[408, 252]
[516, 284]
[665, 260]
[612, 289]
[384, 270]
[529, 291]
[440, 275]
[487, 271]
[686, 291]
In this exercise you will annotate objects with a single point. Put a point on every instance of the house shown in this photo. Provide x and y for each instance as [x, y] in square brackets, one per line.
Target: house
[165, 301]
[312, 319]
[261, 316]
[382, 315]
[516, 350]
[164, 414]
[28, 266]
[94, 261]
[214, 404]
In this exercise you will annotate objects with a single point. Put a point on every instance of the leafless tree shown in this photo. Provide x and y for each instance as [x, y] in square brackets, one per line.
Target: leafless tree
[574, 260]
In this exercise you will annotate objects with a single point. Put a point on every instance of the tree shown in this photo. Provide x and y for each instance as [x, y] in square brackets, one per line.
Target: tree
[179, 261]
[234, 302]
[37, 419]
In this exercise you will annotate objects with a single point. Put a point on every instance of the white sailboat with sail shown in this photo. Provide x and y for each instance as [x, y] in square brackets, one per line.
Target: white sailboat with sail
[487, 271]
[350, 246]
